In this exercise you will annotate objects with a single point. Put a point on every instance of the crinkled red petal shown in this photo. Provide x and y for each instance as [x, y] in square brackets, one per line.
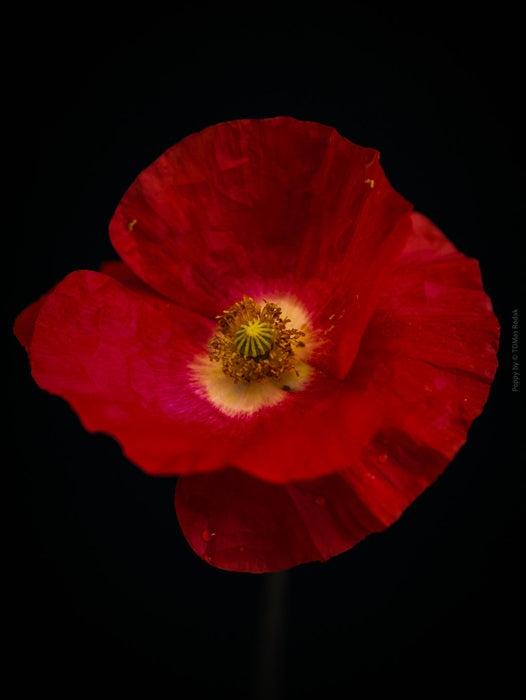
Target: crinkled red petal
[119, 360]
[426, 361]
[119, 271]
[429, 352]
[280, 204]
[121, 354]
[25, 323]
[239, 523]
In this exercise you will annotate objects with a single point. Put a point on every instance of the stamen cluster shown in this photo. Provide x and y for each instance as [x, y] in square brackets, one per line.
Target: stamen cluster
[253, 343]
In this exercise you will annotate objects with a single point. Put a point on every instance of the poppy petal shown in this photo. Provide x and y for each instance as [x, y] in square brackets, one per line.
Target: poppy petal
[239, 523]
[280, 204]
[120, 272]
[429, 352]
[25, 323]
[122, 359]
[97, 344]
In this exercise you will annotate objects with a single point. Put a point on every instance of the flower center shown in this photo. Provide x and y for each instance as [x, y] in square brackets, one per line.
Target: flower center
[253, 343]
[254, 338]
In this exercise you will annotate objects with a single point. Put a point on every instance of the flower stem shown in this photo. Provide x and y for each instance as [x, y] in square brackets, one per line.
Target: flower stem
[272, 624]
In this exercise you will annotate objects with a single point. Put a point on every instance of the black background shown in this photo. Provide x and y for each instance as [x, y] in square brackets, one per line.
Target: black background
[107, 593]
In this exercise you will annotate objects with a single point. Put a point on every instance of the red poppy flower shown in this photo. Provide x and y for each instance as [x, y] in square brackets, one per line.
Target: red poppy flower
[284, 334]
